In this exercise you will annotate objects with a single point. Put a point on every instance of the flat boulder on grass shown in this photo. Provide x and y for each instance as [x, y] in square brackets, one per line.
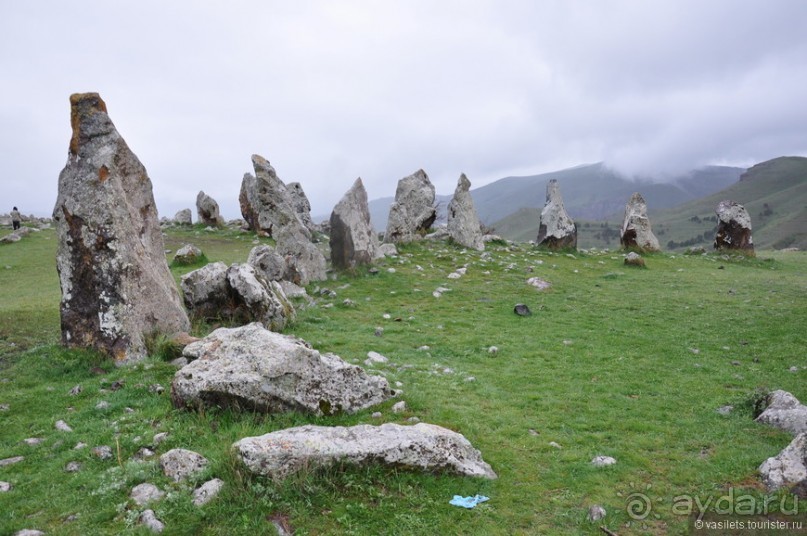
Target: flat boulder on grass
[256, 369]
[423, 446]
[789, 467]
[784, 411]
[187, 255]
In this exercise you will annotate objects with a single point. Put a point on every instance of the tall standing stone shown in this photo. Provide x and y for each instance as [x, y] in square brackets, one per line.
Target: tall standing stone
[413, 212]
[557, 230]
[116, 286]
[301, 205]
[463, 222]
[248, 202]
[733, 228]
[636, 232]
[273, 202]
[353, 241]
[208, 210]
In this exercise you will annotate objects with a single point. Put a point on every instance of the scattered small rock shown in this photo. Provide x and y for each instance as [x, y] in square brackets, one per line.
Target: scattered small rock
[602, 461]
[207, 491]
[29, 532]
[399, 407]
[144, 493]
[72, 467]
[150, 521]
[159, 438]
[493, 350]
[11, 461]
[156, 389]
[538, 283]
[5, 486]
[179, 464]
[596, 513]
[63, 426]
[379, 331]
[80, 445]
[522, 310]
[143, 454]
[103, 404]
[4, 407]
[76, 390]
[555, 445]
[725, 410]
[31, 441]
[103, 452]
[634, 259]
[374, 358]
[376, 415]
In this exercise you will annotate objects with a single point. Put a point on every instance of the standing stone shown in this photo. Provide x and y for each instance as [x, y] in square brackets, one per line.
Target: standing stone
[183, 217]
[733, 228]
[463, 222]
[116, 286]
[247, 199]
[273, 202]
[413, 212]
[557, 230]
[304, 261]
[208, 210]
[636, 232]
[301, 205]
[353, 241]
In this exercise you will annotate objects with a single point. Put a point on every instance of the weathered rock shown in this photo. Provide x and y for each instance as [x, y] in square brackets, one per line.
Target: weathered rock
[10, 238]
[29, 532]
[556, 230]
[603, 461]
[304, 261]
[238, 293]
[787, 468]
[636, 232]
[179, 464]
[188, 254]
[521, 310]
[252, 368]
[352, 239]
[149, 520]
[268, 262]
[104, 452]
[539, 283]
[272, 201]
[301, 205]
[422, 446]
[733, 228]
[145, 493]
[11, 461]
[463, 222]
[208, 210]
[207, 491]
[596, 513]
[248, 200]
[634, 259]
[413, 212]
[5, 486]
[62, 426]
[116, 286]
[183, 217]
[784, 411]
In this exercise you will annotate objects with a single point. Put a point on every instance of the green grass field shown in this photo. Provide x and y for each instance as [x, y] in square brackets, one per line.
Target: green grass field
[629, 363]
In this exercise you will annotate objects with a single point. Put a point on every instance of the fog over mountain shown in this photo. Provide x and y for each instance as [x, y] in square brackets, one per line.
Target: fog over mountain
[331, 91]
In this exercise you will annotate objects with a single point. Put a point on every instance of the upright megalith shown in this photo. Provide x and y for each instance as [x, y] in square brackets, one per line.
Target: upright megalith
[413, 212]
[116, 286]
[733, 228]
[463, 223]
[208, 210]
[353, 241]
[636, 232]
[557, 230]
[272, 201]
[300, 204]
[247, 199]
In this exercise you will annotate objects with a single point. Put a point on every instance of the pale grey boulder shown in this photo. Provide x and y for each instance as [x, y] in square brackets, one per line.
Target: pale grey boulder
[268, 262]
[180, 464]
[208, 210]
[252, 368]
[423, 446]
[413, 213]
[352, 239]
[304, 261]
[188, 254]
[184, 217]
[637, 233]
[733, 228]
[116, 286]
[149, 520]
[463, 222]
[238, 293]
[784, 411]
[145, 493]
[556, 230]
[207, 491]
[787, 468]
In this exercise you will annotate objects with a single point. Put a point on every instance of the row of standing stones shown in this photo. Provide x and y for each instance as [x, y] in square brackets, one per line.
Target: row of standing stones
[117, 290]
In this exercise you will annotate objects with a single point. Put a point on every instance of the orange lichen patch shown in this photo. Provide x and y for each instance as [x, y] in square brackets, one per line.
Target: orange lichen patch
[103, 173]
[82, 104]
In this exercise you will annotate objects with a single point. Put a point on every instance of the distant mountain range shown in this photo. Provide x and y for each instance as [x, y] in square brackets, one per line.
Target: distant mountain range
[590, 192]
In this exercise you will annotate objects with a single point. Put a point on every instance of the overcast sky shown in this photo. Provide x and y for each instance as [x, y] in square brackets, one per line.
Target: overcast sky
[329, 91]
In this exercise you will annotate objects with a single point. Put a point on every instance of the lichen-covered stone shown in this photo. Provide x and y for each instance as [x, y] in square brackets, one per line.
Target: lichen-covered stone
[413, 213]
[556, 230]
[255, 369]
[637, 233]
[784, 411]
[116, 286]
[787, 468]
[353, 241]
[463, 223]
[733, 228]
[423, 446]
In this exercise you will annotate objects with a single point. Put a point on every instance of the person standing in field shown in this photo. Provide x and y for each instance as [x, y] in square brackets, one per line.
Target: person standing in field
[15, 218]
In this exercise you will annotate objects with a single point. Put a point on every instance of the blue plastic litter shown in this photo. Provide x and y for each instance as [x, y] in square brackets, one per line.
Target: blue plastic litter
[468, 502]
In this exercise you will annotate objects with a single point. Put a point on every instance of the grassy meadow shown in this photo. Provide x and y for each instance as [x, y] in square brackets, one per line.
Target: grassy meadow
[617, 361]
